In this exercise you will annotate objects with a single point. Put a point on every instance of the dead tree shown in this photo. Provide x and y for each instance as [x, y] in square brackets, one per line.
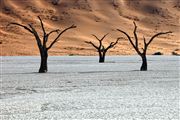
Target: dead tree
[101, 49]
[135, 45]
[42, 44]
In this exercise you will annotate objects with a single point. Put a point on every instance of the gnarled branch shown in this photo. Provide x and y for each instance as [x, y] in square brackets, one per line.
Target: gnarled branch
[42, 26]
[56, 39]
[101, 38]
[135, 35]
[104, 36]
[129, 38]
[96, 37]
[25, 27]
[156, 35]
[145, 45]
[112, 44]
[44, 32]
[57, 31]
[92, 44]
[36, 35]
[53, 31]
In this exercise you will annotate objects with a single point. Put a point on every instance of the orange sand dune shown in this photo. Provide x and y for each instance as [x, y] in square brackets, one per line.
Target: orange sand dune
[91, 17]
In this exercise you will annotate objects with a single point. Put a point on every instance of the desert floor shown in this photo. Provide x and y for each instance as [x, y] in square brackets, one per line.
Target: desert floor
[79, 88]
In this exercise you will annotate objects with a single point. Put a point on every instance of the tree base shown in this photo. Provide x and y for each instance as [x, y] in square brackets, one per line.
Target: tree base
[144, 67]
[42, 71]
[101, 59]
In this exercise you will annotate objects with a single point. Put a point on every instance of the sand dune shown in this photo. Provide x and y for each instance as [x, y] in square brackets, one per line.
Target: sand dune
[91, 17]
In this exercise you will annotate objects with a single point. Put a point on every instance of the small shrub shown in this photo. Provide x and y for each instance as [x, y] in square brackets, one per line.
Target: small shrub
[158, 53]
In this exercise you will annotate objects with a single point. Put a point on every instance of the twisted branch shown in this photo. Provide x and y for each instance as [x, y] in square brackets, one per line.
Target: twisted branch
[56, 39]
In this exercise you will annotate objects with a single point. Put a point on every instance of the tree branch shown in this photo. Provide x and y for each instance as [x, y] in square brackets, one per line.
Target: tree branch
[145, 45]
[56, 39]
[47, 35]
[36, 36]
[96, 37]
[25, 27]
[42, 26]
[44, 32]
[135, 35]
[112, 44]
[129, 38]
[31, 30]
[101, 38]
[104, 37]
[57, 31]
[92, 44]
[161, 33]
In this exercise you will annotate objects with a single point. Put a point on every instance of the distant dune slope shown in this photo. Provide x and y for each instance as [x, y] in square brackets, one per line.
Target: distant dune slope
[91, 17]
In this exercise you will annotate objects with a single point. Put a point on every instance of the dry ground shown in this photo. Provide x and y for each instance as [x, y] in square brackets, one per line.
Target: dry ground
[79, 88]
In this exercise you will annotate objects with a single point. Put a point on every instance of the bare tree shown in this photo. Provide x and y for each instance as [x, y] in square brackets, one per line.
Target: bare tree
[101, 49]
[146, 44]
[42, 44]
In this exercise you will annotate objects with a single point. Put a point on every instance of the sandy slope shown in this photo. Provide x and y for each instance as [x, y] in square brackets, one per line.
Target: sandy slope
[92, 17]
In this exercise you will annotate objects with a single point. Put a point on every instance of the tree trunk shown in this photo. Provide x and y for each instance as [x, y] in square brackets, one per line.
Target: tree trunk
[144, 63]
[44, 56]
[102, 58]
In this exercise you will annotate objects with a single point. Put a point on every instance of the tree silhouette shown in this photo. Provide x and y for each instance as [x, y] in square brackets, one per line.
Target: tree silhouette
[101, 49]
[42, 44]
[142, 53]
